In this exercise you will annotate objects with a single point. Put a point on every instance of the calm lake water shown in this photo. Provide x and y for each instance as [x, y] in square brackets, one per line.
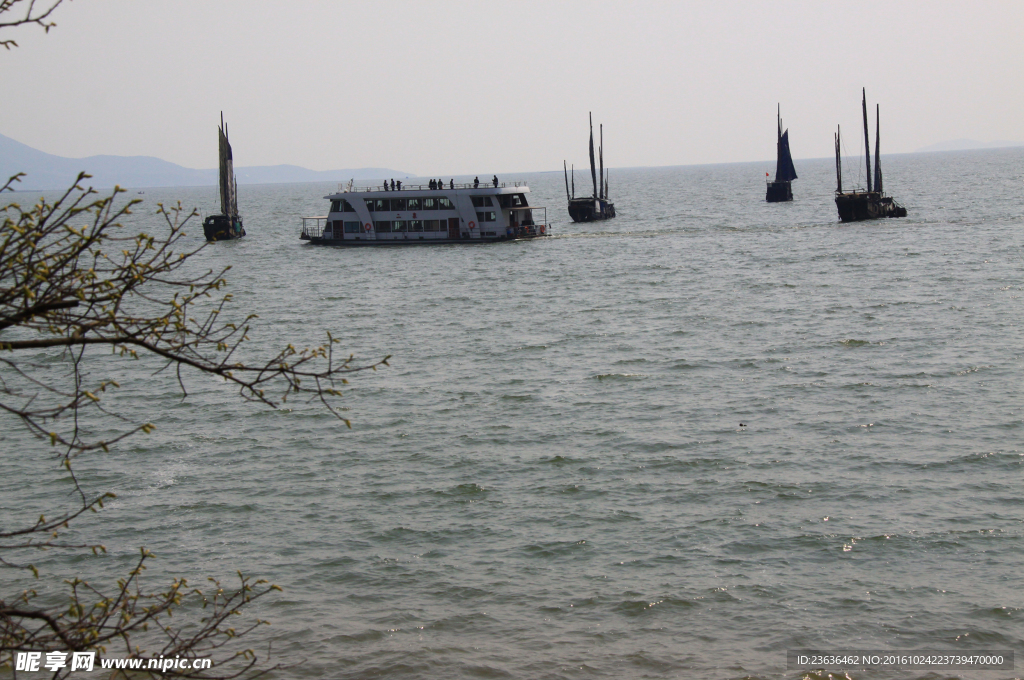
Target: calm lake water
[672, 445]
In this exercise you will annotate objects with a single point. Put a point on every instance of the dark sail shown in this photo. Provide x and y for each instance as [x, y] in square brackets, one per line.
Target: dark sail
[593, 167]
[878, 160]
[839, 164]
[867, 144]
[784, 170]
[228, 193]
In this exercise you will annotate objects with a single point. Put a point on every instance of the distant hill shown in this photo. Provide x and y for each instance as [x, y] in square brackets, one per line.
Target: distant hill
[46, 171]
[967, 144]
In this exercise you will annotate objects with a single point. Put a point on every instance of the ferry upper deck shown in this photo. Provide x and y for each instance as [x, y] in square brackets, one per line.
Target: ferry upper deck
[423, 214]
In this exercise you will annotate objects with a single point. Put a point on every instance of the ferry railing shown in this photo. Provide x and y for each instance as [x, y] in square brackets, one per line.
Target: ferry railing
[313, 227]
[344, 188]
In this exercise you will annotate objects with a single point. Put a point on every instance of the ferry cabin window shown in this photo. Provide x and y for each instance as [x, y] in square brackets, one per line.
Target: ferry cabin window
[432, 225]
[415, 225]
[346, 206]
[430, 204]
[511, 200]
[382, 227]
[352, 227]
[335, 206]
[487, 216]
[482, 202]
[444, 204]
[371, 204]
[397, 204]
[399, 225]
[412, 204]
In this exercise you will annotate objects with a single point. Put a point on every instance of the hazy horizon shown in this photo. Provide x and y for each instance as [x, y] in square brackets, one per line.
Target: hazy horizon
[469, 89]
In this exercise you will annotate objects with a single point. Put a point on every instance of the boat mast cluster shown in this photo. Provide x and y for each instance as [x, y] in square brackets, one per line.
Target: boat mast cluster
[597, 206]
[854, 206]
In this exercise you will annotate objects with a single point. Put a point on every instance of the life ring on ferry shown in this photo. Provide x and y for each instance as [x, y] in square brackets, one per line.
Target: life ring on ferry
[542, 228]
[472, 224]
[366, 226]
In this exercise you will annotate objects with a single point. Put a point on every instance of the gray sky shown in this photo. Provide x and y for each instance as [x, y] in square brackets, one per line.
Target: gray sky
[451, 88]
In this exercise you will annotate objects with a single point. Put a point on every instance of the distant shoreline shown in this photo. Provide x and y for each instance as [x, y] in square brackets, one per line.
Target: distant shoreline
[48, 172]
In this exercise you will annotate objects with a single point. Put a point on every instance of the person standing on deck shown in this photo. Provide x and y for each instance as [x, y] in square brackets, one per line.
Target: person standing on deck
[495, 180]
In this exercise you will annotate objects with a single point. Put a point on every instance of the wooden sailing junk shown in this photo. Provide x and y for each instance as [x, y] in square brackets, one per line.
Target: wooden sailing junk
[781, 189]
[855, 206]
[596, 207]
[227, 225]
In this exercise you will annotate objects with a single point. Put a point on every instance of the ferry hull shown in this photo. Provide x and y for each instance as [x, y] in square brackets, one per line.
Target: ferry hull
[396, 243]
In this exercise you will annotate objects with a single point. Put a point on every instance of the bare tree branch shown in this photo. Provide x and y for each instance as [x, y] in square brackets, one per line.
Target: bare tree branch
[32, 15]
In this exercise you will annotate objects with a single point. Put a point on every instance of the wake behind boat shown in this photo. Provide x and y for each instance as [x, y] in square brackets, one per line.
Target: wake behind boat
[227, 225]
[855, 206]
[426, 214]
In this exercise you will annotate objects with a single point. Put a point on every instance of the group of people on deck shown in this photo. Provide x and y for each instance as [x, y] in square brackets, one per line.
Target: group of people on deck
[434, 184]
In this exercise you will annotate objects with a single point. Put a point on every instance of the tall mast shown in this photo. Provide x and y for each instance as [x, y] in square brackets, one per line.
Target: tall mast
[778, 147]
[867, 144]
[878, 160]
[573, 180]
[839, 166]
[600, 153]
[780, 122]
[566, 171]
[593, 168]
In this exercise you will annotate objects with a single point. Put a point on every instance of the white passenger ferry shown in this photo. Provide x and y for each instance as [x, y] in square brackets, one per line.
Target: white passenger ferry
[427, 214]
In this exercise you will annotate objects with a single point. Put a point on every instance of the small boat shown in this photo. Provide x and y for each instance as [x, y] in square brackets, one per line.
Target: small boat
[417, 215]
[227, 225]
[781, 189]
[871, 204]
[597, 206]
